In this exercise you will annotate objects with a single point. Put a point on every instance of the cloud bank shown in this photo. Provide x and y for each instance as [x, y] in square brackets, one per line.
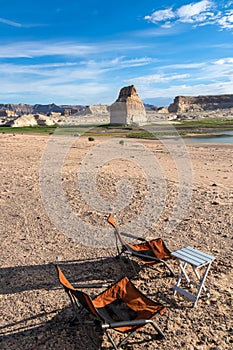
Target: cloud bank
[205, 12]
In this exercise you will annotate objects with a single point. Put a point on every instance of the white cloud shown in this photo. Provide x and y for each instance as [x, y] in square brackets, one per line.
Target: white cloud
[118, 63]
[60, 94]
[165, 30]
[228, 4]
[223, 61]
[65, 82]
[205, 78]
[10, 23]
[194, 11]
[205, 12]
[70, 72]
[157, 78]
[192, 65]
[57, 82]
[72, 49]
[85, 77]
[19, 25]
[91, 81]
[226, 21]
[161, 15]
[38, 49]
[187, 90]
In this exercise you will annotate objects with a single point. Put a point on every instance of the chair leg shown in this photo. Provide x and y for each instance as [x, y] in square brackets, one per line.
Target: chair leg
[169, 268]
[126, 338]
[133, 267]
[157, 328]
[111, 340]
[116, 347]
[131, 263]
[77, 310]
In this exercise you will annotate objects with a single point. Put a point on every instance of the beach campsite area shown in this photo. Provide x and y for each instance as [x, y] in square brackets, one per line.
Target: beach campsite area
[35, 310]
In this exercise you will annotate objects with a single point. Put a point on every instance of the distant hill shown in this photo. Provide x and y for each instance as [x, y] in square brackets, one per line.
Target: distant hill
[23, 108]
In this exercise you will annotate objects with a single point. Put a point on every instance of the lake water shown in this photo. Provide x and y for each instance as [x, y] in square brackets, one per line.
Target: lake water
[220, 137]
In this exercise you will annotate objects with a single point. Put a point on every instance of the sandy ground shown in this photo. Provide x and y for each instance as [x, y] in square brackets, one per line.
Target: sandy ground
[35, 311]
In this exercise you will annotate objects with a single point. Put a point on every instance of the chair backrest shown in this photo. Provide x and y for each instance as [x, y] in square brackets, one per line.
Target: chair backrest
[83, 298]
[119, 236]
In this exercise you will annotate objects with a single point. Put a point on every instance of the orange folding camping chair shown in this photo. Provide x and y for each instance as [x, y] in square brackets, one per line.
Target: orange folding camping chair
[121, 307]
[148, 252]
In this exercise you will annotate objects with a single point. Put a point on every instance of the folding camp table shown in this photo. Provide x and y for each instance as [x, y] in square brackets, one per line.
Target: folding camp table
[197, 259]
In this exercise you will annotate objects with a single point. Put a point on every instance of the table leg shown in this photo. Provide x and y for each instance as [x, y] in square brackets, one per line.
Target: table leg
[202, 283]
[182, 272]
[183, 267]
[198, 277]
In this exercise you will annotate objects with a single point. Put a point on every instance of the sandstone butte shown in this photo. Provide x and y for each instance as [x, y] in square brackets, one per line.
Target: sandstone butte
[128, 108]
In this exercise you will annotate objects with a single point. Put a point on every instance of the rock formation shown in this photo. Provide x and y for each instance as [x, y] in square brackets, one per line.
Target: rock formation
[18, 109]
[162, 110]
[33, 120]
[184, 104]
[24, 120]
[7, 113]
[128, 108]
[93, 110]
[21, 108]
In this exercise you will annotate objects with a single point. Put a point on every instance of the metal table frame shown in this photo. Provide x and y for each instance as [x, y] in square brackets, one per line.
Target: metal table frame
[197, 259]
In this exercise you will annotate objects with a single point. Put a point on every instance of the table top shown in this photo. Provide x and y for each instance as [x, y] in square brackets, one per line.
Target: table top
[193, 256]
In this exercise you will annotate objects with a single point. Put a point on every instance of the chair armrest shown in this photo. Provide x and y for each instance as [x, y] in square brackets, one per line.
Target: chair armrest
[92, 285]
[125, 323]
[143, 256]
[125, 234]
[141, 239]
[130, 251]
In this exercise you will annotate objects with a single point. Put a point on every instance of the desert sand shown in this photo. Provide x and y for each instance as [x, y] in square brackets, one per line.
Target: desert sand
[35, 311]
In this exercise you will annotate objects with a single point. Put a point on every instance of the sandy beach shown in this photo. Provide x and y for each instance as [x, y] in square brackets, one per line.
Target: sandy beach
[34, 308]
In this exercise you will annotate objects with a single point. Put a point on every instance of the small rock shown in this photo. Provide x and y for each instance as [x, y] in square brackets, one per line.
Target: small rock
[215, 203]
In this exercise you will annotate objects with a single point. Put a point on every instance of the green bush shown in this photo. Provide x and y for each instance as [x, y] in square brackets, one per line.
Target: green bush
[91, 138]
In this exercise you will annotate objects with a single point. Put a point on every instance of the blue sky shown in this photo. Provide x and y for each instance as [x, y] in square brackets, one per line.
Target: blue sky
[83, 52]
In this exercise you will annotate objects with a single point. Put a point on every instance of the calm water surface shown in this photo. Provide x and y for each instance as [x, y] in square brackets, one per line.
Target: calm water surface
[220, 137]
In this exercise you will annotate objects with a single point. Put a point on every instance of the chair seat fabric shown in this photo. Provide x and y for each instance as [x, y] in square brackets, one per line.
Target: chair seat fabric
[123, 302]
[154, 248]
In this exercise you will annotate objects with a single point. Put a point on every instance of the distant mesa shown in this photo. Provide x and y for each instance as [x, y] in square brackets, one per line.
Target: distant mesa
[23, 108]
[187, 104]
[128, 108]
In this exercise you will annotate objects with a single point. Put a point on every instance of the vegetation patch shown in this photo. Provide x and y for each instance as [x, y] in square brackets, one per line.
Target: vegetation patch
[142, 135]
[209, 123]
[28, 129]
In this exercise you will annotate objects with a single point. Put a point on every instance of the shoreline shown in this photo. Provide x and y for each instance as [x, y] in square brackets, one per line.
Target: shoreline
[190, 128]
